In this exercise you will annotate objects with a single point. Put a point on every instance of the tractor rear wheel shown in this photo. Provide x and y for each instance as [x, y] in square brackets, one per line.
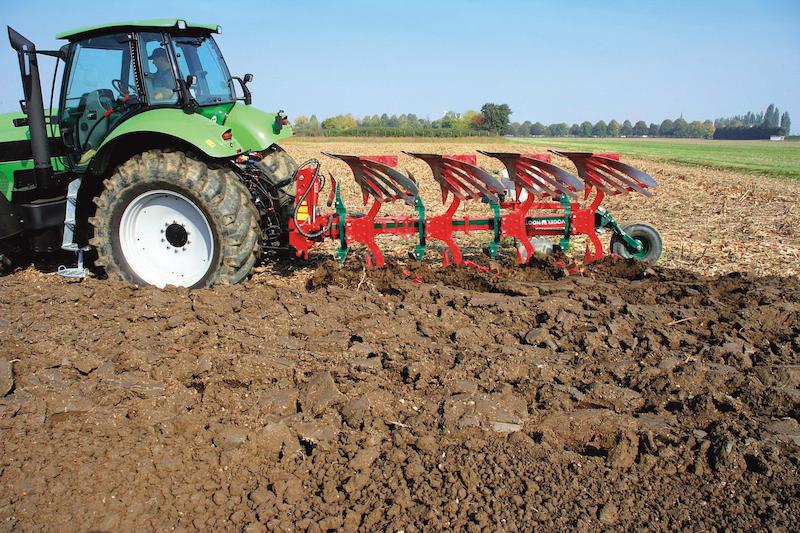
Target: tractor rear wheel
[165, 218]
[647, 235]
[278, 166]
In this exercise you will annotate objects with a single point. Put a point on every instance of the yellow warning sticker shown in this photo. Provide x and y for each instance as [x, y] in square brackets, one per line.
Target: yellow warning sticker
[210, 143]
[302, 212]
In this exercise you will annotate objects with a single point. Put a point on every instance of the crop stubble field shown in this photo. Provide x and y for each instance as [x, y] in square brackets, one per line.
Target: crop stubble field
[317, 397]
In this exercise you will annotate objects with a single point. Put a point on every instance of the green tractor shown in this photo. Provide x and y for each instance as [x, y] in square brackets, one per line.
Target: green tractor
[151, 159]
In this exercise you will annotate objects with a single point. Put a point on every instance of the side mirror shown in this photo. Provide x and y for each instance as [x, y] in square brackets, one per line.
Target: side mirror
[248, 97]
[281, 120]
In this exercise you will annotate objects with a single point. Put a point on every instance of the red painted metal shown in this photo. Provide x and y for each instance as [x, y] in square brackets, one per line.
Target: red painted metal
[460, 178]
[538, 214]
[604, 174]
[470, 159]
[441, 228]
[309, 219]
[362, 230]
[539, 156]
[542, 182]
[607, 173]
[457, 175]
[407, 273]
[380, 181]
[388, 160]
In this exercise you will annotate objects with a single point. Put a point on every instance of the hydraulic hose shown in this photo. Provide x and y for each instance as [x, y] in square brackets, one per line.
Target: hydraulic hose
[317, 176]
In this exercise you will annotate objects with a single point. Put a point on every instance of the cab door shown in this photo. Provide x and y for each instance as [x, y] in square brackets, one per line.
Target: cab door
[101, 88]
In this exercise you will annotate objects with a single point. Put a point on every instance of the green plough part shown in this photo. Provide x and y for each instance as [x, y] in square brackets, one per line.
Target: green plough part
[564, 241]
[341, 213]
[494, 246]
[605, 220]
[419, 249]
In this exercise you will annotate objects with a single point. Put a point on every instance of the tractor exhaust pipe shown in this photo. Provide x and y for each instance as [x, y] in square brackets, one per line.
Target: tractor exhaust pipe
[33, 106]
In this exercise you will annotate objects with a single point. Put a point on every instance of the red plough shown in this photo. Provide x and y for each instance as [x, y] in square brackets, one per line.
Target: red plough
[544, 201]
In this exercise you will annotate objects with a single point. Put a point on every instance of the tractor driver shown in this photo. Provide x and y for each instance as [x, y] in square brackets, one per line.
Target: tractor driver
[162, 81]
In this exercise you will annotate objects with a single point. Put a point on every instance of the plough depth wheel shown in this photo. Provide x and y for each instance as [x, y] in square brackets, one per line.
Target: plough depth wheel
[648, 237]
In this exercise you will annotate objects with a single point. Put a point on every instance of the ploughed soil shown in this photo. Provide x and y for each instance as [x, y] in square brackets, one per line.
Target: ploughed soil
[409, 398]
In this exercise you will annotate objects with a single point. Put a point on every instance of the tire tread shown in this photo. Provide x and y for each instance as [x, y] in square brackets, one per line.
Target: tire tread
[220, 190]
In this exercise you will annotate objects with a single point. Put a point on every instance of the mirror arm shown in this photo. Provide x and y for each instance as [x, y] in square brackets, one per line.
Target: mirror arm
[248, 96]
[58, 54]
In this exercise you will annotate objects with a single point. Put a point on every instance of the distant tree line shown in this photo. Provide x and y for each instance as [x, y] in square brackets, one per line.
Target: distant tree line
[494, 119]
[751, 125]
[668, 128]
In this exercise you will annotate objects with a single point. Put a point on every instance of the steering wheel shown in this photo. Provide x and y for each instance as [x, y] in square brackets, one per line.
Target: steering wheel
[106, 98]
[119, 84]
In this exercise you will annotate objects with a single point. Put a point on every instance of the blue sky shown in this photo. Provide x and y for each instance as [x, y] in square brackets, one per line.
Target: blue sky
[550, 61]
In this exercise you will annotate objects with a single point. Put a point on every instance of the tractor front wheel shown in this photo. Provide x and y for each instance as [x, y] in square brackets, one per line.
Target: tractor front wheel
[647, 235]
[165, 218]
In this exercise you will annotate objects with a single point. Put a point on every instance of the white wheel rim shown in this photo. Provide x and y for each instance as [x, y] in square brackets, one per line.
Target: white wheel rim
[166, 239]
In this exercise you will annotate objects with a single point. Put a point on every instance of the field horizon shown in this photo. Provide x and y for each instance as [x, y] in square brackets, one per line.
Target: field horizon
[768, 158]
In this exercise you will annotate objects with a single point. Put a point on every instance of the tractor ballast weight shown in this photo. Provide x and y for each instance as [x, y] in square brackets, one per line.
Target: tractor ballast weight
[547, 202]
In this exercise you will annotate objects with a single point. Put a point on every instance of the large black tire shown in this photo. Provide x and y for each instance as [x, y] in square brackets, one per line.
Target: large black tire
[217, 193]
[12, 255]
[644, 233]
[278, 166]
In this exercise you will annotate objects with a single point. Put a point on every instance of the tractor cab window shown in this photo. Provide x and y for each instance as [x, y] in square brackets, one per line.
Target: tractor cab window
[200, 57]
[159, 77]
[101, 89]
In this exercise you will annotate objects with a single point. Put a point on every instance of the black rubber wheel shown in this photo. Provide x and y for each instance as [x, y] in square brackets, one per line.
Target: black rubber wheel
[647, 235]
[278, 166]
[161, 203]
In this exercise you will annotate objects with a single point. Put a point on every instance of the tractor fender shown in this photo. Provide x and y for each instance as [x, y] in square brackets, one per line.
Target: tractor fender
[203, 134]
[255, 129]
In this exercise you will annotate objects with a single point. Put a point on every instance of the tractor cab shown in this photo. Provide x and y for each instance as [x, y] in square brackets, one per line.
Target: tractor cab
[114, 72]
